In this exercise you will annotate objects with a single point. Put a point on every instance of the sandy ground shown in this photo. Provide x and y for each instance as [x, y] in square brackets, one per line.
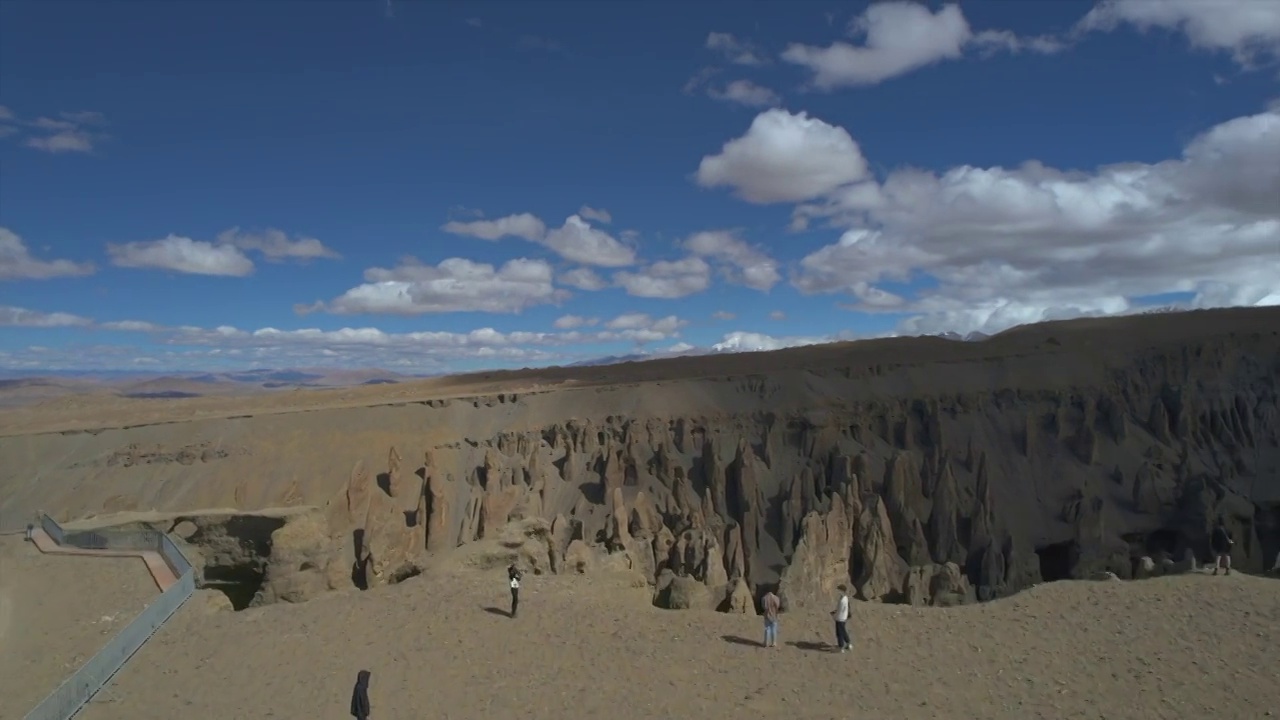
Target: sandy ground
[441, 646]
[55, 613]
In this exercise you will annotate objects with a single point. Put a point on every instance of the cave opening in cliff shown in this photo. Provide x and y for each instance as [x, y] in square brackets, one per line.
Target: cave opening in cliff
[240, 583]
[235, 551]
[1057, 560]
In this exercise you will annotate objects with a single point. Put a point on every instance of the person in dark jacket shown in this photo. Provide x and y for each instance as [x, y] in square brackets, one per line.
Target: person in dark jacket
[1222, 543]
[360, 696]
[513, 577]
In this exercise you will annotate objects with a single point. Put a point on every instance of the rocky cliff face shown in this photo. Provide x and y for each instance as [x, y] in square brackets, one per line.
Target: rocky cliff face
[934, 499]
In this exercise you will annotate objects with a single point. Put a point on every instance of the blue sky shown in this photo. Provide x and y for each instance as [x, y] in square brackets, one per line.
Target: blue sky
[430, 186]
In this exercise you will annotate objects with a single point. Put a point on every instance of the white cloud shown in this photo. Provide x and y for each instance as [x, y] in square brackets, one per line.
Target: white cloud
[667, 279]
[735, 50]
[276, 245]
[5, 113]
[456, 284]
[756, 342]
[723, 315]
[785, 158]
[131, 326]
[583, 279]
[777, 315]
[599, 215]
[183, 255]
[899, 37]
[523, 225]
[578, 242]
[575, 241]
[745, 92]
[573, 322]
[641, 328]
[70, 132]
[208, 348]
[63, 141]
[1008, 246]
[21, 317]
[16, 262]
[1248, 29]
[746, 265]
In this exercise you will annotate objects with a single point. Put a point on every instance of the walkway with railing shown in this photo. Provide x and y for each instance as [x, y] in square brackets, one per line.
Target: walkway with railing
[169, 568]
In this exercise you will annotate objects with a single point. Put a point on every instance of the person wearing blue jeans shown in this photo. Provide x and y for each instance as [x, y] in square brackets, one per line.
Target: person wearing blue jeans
[771, 604]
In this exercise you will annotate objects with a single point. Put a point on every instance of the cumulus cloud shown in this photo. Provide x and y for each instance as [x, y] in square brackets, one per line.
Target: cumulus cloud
[745, 92]
[276, 244]
[583, 279]
[456, 284]
[1248, 29]
[575, 241]
[785, 157]
[70, 132]
[735, 50]
[1006, 246]
[21, 317]
[599, 215]
[757, 342]
[742, 264]
[131, 326]
[666, 279]
[17, 263]
[572, 322]
[182, 254]
[899, 37]
[524, 225]
[225, 256]
[641, 328]
[191, 347]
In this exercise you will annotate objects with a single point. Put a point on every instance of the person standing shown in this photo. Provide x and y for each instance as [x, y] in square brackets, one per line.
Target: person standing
[514, 575]
[360, 696]
[772, 605]
[841, 615]
[1222, 543]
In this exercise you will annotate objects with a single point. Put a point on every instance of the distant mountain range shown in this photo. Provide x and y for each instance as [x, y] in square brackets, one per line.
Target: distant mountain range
[25, 387]
[974, 336]
[32, 387]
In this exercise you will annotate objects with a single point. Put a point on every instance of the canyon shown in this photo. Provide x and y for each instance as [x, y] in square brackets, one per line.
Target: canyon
[915, 470]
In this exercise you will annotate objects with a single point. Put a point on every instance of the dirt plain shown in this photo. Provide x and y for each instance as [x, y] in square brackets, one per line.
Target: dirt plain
[441, 646]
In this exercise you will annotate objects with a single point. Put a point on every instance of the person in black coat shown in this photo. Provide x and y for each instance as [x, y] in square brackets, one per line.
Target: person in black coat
[360, 696]
[1222, 542]
[513, 579]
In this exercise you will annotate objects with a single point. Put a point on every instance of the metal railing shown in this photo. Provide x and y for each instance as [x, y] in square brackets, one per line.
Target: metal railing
[85, 682]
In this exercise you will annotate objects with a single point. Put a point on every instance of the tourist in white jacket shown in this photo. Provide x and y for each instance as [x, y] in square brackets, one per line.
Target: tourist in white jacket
[841, 616]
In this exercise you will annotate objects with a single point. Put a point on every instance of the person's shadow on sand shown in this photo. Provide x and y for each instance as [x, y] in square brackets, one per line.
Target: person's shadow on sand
[814, 646]
[498, 611]
[800, 645]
